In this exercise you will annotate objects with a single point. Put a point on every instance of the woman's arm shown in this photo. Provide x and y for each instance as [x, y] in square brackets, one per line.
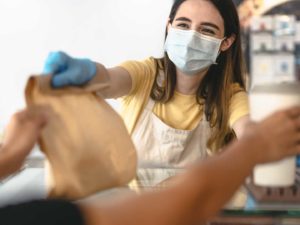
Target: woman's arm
[240, 125]
[67, 70]
[200, 192]
[117, 78]
[239, 111]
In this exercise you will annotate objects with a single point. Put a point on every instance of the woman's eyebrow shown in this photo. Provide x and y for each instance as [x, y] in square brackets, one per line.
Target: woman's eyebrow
[210, 25]
[183, 19]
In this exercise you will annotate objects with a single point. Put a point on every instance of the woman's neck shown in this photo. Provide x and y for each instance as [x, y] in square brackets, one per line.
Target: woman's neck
[188, 84]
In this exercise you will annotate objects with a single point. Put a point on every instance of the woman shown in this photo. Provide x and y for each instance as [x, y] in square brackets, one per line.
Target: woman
[185, 105]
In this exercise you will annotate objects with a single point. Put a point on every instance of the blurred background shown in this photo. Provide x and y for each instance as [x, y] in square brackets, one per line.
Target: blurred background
[108, 31]
[271, 39]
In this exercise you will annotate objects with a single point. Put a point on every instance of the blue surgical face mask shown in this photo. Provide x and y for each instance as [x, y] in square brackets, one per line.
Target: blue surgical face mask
[190, 51]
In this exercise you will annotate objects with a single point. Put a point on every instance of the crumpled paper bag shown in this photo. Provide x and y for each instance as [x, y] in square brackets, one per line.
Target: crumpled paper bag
[86, 143]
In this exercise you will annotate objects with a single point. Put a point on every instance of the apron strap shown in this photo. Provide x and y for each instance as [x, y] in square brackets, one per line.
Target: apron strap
[150, 104]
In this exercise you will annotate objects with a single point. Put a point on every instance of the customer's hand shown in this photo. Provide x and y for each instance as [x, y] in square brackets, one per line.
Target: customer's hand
[23, 131]
[278, 135]
[67, 70]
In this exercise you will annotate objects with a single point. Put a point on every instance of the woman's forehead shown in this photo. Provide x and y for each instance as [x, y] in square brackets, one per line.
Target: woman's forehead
[200, 11]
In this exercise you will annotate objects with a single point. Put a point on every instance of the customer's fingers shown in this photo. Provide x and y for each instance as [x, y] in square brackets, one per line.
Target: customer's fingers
[294, 112]
[40, 112]
[295, 149]
[34, 114]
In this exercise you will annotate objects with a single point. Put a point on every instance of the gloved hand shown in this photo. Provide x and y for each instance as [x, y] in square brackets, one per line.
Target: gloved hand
[67, 70]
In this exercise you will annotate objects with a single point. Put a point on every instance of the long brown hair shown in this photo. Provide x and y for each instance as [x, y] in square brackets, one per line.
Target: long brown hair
[215, 88]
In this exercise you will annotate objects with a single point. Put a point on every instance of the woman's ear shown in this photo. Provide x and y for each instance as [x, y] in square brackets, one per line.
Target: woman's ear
[226, 44]
[168, 25]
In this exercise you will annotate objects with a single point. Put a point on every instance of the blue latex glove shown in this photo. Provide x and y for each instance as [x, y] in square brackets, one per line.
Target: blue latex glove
[67, 70]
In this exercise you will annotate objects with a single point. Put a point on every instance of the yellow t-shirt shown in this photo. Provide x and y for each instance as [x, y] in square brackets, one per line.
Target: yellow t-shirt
[181, 112]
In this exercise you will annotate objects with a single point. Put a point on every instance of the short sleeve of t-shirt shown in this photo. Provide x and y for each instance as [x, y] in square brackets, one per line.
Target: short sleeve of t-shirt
[239, 104]
[142, 74]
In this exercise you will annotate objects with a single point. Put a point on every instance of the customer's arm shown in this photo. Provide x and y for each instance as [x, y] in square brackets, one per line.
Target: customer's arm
[20, 136]
[193, 197]
[200, 192]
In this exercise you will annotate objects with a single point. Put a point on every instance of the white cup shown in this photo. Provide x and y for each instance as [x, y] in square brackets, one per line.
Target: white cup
[265, 100]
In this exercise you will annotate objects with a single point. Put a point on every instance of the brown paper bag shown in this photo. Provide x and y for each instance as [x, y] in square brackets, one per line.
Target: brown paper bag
[85, 141]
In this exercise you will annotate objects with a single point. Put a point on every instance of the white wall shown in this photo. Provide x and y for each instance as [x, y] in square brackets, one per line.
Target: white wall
[108, 31]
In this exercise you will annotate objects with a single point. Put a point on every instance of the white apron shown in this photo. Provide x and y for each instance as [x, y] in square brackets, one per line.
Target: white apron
[159, 144]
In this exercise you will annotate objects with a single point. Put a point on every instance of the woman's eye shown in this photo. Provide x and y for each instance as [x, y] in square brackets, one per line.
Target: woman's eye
[208, 31]
[182, 26]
